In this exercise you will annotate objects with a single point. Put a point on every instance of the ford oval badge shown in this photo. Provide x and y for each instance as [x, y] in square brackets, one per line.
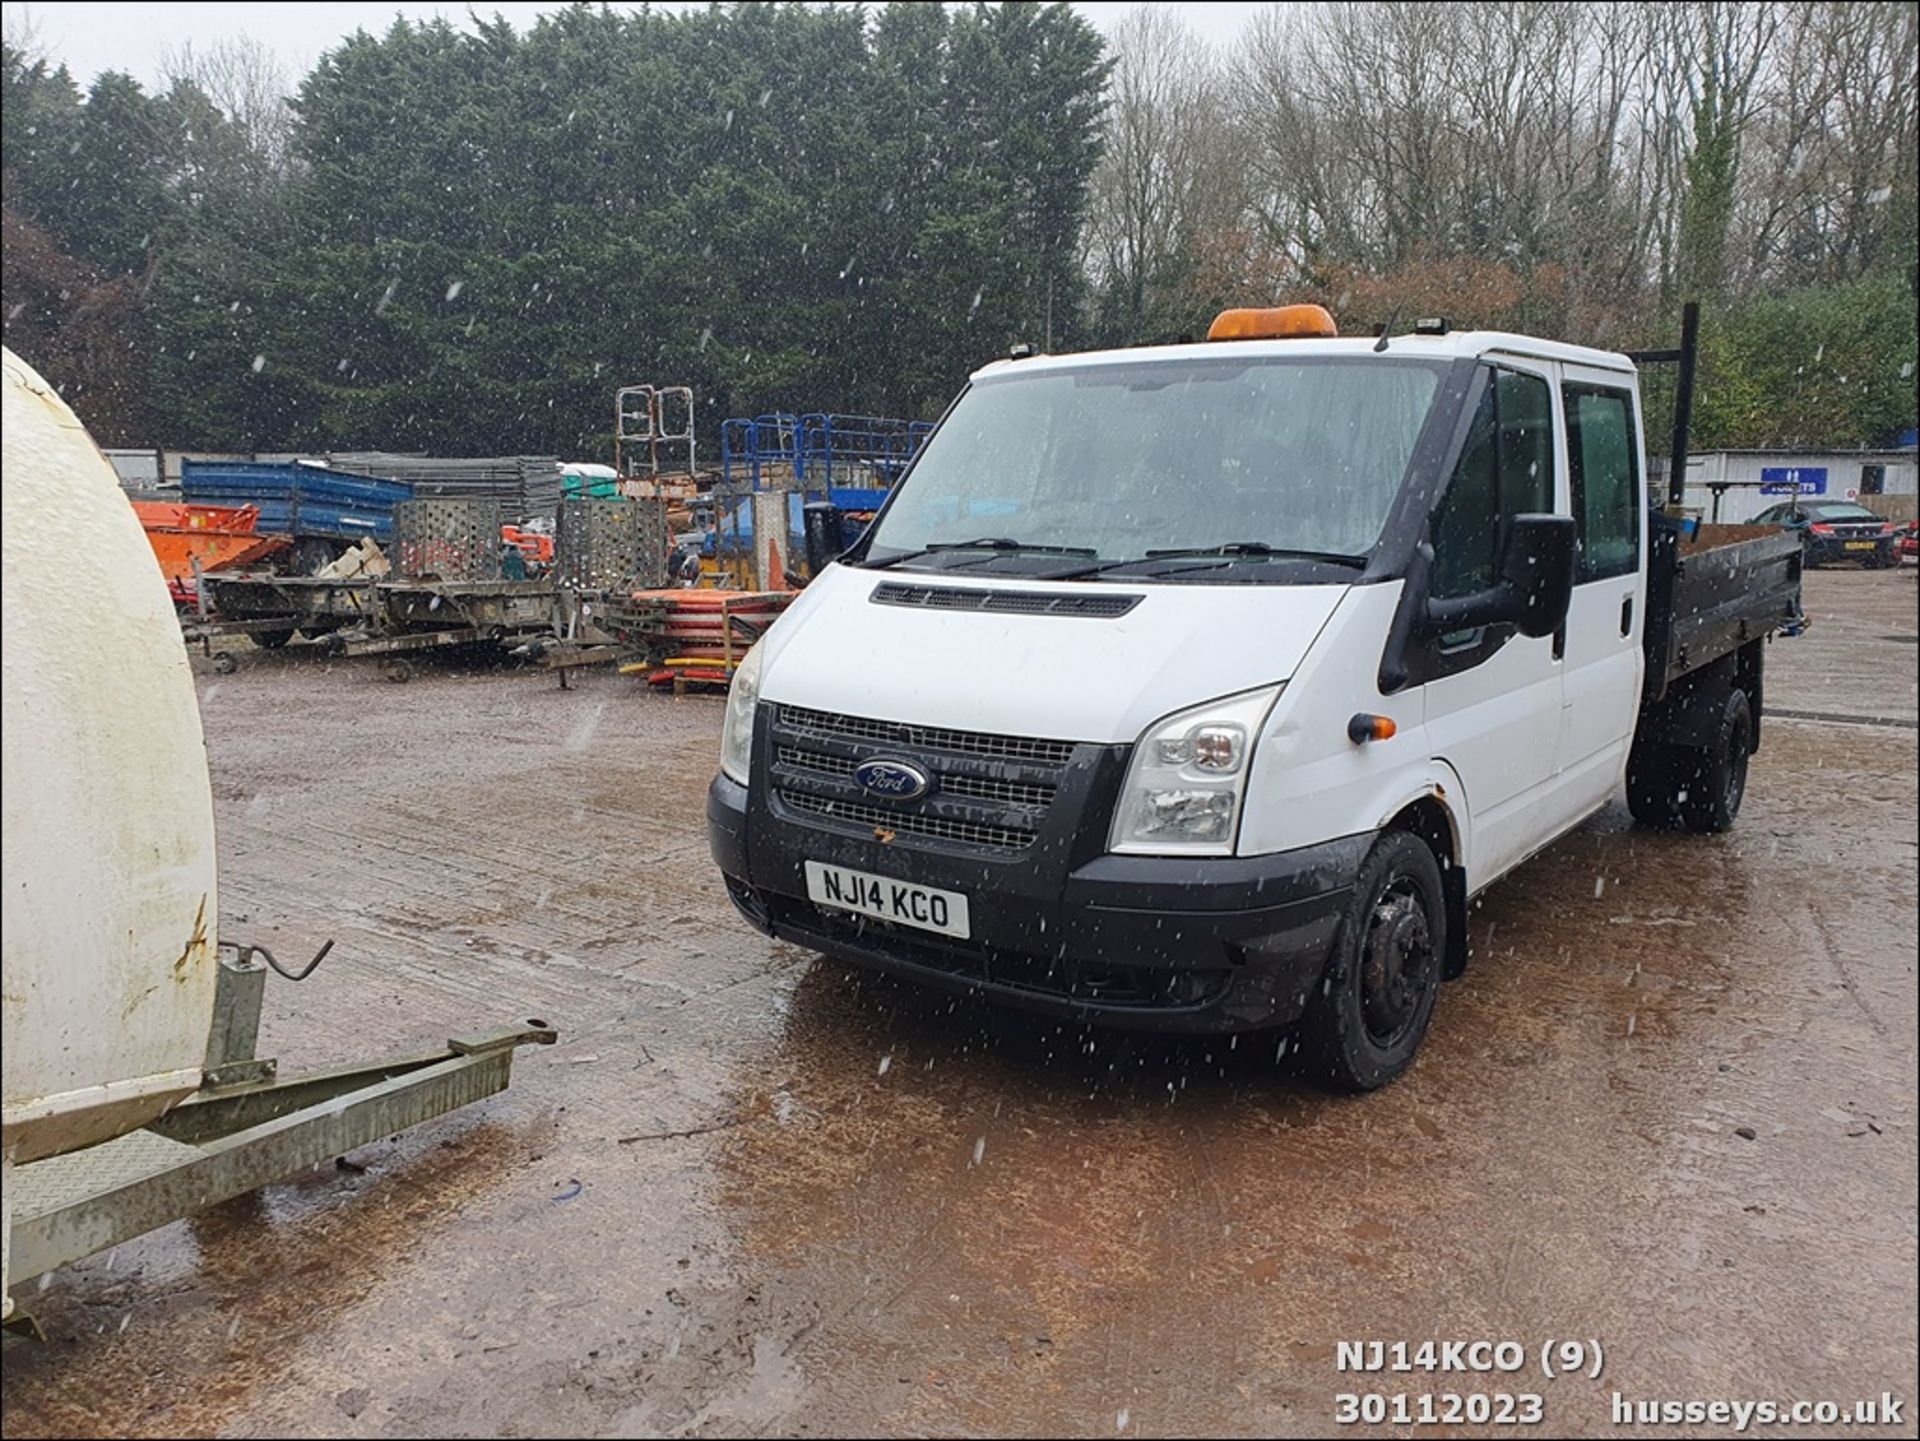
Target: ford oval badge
[894, 780]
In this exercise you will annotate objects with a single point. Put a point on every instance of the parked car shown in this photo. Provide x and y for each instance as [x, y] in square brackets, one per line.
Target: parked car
[1907, 543]
[1833, 530]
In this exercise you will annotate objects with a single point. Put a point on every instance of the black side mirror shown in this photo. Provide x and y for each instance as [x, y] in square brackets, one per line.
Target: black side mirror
[1535, 584]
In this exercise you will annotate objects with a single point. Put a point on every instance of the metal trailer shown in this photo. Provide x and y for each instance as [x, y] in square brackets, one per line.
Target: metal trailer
[420, 615]
[350, 619]
[605, 548]
[448, 587]
[454, 585]
[245, 1127]
[270, 610]
[452, 589]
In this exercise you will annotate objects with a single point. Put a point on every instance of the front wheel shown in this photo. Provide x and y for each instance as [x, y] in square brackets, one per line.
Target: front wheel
[1362, 1028]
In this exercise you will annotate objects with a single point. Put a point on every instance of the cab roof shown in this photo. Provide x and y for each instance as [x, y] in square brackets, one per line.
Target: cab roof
[1456, 345]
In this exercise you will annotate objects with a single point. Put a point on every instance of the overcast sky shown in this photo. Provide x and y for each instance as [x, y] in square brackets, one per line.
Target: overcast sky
[91, 37]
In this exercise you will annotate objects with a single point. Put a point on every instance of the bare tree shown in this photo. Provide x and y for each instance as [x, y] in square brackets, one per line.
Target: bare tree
[1834, 145]
[1568, 166]
[247, 85]
[1169, 179]
[1363, 128]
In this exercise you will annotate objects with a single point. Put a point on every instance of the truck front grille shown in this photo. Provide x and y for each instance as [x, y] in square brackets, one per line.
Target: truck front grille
[987, 792]
[982, 788]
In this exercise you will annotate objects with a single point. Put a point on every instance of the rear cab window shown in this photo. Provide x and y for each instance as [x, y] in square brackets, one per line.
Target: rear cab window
[1604, 475]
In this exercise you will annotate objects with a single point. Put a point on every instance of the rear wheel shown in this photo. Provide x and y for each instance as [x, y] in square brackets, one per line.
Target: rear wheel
[1363, 1027]
[1718, 784]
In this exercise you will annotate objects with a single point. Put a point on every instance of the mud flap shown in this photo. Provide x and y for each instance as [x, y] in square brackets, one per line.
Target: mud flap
[1453, 881]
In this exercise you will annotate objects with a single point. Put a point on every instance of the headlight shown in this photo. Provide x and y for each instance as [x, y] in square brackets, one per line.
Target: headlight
[1184, 783]
[736, 731]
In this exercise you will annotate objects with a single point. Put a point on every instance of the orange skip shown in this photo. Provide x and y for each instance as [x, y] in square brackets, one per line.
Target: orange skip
[215, 535]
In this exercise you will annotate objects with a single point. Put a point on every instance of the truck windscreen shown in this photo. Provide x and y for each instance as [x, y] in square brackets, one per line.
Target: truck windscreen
[1124, 462]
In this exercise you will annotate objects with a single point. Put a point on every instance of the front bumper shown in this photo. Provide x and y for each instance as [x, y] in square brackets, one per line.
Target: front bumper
[1144, 942]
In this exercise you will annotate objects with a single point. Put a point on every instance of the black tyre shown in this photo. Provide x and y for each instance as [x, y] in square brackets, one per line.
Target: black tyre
[1710, 799]
[1366, 1022]
[1653, 785]
[224, 662]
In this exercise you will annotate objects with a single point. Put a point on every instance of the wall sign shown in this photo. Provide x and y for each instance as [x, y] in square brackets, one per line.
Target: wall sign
[1793, 480]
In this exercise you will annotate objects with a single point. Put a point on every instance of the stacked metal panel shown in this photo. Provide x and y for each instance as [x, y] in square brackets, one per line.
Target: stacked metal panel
[527, 486]
[298, 500]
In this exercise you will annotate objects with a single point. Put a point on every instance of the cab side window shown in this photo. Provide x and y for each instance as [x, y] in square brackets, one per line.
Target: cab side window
[1505, 469]
[1606, 482]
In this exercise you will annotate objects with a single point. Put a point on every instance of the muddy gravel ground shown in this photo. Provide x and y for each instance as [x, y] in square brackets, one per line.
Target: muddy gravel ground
[1671, 1106]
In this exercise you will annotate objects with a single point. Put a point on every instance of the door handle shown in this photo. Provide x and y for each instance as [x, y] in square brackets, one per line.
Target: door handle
[1626, 615]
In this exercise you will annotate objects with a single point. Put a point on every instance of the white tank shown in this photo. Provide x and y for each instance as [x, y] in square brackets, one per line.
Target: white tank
[110, 906]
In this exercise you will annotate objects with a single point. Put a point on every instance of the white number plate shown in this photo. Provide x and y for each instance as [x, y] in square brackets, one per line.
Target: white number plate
[923, 907]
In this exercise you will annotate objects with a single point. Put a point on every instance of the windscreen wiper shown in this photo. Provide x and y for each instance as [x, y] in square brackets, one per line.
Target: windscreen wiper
[985, 542]
[1257, 549]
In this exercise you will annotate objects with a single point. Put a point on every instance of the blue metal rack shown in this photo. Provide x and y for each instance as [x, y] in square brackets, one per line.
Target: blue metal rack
[850, 460]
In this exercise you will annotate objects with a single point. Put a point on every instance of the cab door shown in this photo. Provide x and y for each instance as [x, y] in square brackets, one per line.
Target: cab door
[1604, 661]
[1493, 697]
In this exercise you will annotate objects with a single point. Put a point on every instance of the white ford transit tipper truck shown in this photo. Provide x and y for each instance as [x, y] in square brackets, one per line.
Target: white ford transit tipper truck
[1200, 687]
